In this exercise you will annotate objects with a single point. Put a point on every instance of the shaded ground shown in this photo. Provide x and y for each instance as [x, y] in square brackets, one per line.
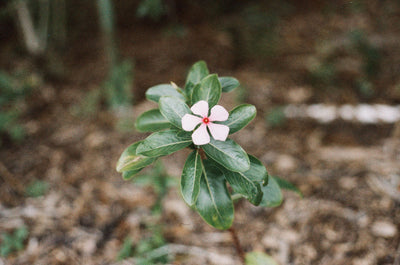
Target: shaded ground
[344, 218]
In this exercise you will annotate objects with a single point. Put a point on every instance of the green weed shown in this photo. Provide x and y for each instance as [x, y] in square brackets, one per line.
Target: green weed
[13, 242]
[36, 189]
[13, 90]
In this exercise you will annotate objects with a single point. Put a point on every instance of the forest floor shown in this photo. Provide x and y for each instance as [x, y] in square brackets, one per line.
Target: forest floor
[347, 171]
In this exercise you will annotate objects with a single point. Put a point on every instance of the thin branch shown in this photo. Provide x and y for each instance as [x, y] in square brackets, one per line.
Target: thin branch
[239, 249]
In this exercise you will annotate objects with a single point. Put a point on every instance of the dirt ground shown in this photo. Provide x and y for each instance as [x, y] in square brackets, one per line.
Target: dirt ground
[348, 172]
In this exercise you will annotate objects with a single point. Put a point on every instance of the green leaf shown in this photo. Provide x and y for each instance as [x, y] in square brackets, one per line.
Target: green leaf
[163, 143]
[21, 233]
[209, 90]
[197, 72]
[239, 117]
[126, 250]
[244, 185]
[188, 91]
[228, 154]
[36, 188]
[214, 203]
[284, 184]
[156, 92]
[257, 171]
[131, 160]
[127, 175]
[228, 83]
[191, 175]
[173, 109]
[151, 121]
[272, 194]
[248, 183]
[259, 258]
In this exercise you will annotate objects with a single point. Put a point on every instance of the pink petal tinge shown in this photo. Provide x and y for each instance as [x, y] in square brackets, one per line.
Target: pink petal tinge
[218, 131]
[189, 122]
[200, 136]
[200, 108]
[218, 113]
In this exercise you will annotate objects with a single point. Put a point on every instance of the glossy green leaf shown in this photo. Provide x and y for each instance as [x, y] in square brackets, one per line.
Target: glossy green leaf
[257, 171]
[228, 83]
[284, 184]
[239, 117]
[173, 110]
[163, 143]
[156, 92]
[131, 160]
[244, 185]
[259, 258]
[248, 183]
[214, 203]
[209, 90]
[188, 92]
[272, 196]
[196, 73]
[151, 121]
[228, 154]
[127, 175]
[190, 180]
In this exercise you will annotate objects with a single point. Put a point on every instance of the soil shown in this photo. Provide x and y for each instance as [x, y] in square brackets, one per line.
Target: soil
[348, 214]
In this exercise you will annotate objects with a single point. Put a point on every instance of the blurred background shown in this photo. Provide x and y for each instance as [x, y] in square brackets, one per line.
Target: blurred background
[324, 76]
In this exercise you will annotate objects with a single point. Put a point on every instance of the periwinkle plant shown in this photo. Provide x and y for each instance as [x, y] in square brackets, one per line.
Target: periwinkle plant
[190, 117]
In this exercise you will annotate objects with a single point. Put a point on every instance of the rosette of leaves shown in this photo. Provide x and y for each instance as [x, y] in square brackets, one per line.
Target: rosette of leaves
[213, 173]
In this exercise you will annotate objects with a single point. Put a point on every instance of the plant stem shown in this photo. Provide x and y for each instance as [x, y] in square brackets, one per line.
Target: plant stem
[106, 16]
[236, 242]
[202, 154]
[32, 41]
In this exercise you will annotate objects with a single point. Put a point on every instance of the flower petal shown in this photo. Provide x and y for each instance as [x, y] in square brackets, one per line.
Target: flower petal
[218, 131]
[201, 136]
[218, 113]
[200, 108]
[189, 122]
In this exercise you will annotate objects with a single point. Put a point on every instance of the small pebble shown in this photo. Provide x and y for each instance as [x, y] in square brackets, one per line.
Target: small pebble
[384, 229]
[286, 163]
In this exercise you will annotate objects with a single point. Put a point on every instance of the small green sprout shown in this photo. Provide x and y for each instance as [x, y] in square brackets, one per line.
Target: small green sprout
[13, 242]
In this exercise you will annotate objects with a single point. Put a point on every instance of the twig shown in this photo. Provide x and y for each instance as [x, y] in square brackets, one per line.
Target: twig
[239, 249]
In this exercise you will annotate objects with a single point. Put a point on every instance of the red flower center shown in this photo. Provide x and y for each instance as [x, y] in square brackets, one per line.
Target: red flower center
[206, 120]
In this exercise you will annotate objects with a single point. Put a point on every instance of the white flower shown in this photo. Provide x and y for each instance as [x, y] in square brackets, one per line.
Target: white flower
[200, 136]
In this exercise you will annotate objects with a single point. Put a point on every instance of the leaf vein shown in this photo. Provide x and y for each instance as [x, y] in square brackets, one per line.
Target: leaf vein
[211, 195]
[175, 143]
